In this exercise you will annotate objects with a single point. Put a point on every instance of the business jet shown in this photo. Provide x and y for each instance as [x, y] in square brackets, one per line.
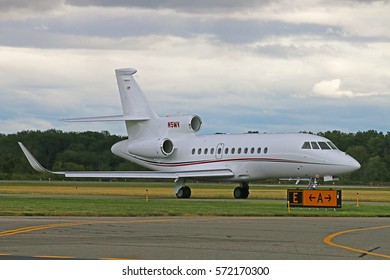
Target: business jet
[172, 149]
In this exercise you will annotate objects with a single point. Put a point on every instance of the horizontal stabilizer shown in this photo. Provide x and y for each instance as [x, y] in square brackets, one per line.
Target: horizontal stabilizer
[217, 173]
[108, 119]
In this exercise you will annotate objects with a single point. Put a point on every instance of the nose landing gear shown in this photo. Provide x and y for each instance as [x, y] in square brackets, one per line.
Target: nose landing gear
[313, 183]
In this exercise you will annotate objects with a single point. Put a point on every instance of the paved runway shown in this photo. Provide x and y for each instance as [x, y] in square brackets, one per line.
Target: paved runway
[279, 238]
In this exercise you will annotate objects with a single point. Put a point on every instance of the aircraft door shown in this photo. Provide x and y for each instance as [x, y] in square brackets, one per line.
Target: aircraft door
[219, 151]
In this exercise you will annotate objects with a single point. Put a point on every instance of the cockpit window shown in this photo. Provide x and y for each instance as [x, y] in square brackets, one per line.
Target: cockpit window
[319, 145]
[333, 146]
[315, 145]
[324, 146]
[306, 145]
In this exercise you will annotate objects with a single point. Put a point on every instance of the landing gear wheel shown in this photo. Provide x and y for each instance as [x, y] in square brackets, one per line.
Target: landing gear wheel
[237, 193]
[241, 192]
[187, 192]
[184, 192]
[245, 193]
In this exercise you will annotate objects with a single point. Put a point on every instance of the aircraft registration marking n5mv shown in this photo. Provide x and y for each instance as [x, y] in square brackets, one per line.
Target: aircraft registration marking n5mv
[171, 148]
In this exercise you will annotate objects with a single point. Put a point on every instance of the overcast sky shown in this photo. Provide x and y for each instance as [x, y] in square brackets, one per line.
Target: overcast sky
[273, 66]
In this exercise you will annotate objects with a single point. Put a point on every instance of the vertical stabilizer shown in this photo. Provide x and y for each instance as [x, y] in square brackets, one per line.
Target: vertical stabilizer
[134, 102]
[140, 115]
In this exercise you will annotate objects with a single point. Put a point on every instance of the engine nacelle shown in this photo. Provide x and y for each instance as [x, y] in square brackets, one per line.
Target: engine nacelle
[187, 123]
[152, 148]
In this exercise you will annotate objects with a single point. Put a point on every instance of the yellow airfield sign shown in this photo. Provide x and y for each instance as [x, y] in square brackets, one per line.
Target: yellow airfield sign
[314, 198]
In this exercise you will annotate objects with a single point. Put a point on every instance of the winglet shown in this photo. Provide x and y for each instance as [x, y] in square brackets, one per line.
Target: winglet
[31, 159]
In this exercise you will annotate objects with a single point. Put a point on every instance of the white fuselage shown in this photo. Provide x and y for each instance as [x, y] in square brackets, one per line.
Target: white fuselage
[249, 156]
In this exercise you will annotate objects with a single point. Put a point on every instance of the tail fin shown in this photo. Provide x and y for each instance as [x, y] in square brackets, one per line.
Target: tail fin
[141, 119]
[139, 115]
[135, 105]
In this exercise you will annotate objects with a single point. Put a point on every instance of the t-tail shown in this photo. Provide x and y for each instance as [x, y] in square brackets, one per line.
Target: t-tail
[141, 119]
[138, 113]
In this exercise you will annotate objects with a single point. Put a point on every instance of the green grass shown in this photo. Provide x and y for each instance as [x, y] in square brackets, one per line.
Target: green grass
[165, 189]
[38, 206]
[78, 198]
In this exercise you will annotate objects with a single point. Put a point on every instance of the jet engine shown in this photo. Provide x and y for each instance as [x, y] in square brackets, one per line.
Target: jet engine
[152, 148]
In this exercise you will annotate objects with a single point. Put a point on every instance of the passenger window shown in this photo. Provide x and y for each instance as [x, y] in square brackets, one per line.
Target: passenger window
[245, 150]
[199, 151]
[306, 145]
[226, 151]
[193, 151]
[239, 151]
[206, 151]
[252, 150]
[315, 145]
[233, 150]
[219, 151]
[259, 150]
[324, 146]
[333, 146]
[265, 150]
[212, 151]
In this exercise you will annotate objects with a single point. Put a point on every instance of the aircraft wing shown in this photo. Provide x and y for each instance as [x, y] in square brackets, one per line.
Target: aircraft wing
[216, 173]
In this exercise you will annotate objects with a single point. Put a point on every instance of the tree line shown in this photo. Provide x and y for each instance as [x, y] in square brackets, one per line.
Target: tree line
[80, 151]
[57, 150]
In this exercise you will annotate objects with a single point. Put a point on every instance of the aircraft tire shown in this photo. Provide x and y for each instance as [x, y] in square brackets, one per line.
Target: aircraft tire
[237, 193]
[180, 193]
[245, 193]
[241, 193]
[187, 192]
[184, 192]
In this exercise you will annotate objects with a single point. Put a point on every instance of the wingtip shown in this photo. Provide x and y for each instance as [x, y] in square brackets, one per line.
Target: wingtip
[31, 159]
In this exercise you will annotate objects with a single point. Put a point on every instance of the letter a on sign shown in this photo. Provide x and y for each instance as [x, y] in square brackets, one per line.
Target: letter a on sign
[320, 198]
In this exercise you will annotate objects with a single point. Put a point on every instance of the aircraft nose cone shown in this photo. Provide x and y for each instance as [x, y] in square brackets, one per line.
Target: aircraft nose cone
[353, 164]
[357, 165]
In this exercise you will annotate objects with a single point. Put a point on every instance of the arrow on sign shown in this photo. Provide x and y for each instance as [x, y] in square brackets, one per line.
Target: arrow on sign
[311, 197]
[329, 198]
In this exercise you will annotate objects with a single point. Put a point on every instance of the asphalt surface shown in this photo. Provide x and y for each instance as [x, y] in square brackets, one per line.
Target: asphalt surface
[269, 238]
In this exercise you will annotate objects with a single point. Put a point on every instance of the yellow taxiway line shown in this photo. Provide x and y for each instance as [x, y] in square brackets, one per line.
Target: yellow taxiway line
[328, 241]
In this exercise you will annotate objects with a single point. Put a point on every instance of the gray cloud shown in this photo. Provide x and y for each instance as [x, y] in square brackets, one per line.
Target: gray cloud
[25, 5]
[178, 5]
[249, 65]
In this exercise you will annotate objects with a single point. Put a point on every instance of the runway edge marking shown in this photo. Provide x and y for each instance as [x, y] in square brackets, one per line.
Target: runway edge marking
[328, 240]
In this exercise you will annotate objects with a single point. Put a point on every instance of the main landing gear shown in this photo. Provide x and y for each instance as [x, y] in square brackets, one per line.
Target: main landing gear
[241, 192]
[181, 190]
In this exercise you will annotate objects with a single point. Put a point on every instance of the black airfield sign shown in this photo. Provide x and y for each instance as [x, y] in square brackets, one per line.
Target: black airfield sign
[314, 198]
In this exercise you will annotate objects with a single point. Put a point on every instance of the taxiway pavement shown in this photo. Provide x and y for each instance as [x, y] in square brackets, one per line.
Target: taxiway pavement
[262, 238]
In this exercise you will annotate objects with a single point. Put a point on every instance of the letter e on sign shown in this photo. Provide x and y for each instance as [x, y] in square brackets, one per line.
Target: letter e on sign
[295, 197]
